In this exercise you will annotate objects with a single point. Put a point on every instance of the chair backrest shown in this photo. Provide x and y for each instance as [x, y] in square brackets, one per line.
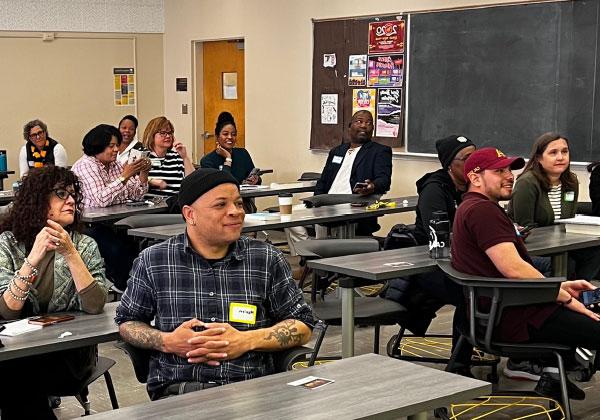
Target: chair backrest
[584, 207]
[326, 248]
[310, 176]
[149, 220]
[500, 293]
[140, 359]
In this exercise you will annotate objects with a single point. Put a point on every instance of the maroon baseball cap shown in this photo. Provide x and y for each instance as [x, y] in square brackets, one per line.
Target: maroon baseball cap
[490, 158]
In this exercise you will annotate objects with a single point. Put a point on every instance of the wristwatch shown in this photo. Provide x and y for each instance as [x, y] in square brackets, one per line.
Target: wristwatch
[122, 180]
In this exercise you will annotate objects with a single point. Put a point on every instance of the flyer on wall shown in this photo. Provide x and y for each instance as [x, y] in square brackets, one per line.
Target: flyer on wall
[357, 70]
[124, 85]
[389, 110]
[364, 100]
[329, 108]
[386, 37]
[386, 70]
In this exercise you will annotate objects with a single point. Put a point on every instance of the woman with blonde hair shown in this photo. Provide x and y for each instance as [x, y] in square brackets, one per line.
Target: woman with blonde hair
[170, 161]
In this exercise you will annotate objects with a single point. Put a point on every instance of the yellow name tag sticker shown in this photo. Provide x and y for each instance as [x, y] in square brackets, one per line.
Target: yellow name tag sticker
[569, 196]
[242, 312]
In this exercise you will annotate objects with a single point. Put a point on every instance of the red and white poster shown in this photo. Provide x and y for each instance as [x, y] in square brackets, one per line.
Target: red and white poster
[386, 37]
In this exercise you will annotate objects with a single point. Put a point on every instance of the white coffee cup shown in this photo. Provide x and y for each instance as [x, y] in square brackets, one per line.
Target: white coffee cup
[285, 203]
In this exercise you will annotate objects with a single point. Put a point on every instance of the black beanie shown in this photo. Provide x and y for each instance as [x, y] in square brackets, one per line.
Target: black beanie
[201, 181]
[448, 148]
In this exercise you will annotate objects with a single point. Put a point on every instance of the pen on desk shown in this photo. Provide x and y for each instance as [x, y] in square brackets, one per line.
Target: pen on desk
[2, 327]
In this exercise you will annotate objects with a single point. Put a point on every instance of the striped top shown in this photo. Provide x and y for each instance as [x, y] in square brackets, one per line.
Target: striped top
[555, 197]
[169, 168]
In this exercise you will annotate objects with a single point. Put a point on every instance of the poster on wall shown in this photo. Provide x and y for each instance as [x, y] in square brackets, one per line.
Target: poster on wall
[364, 100]
[386, 70]
[357, 70]
[389, 110]
[124, 85]
[329, 108]
[386, 37]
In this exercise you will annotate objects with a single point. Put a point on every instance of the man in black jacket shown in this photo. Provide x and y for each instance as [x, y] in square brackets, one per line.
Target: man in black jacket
[441, 190]
[360, 166]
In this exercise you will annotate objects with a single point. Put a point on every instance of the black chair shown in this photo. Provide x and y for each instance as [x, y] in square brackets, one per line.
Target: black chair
[369, 311]
[584, 207]
[504, 293]
[101, 369]
[140, 359]
[310, 176]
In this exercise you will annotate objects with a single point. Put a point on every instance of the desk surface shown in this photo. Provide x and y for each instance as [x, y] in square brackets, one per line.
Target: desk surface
[365, 386]
[276, 189]
[85, 329]
[304, 217]
[6, 196]
[119, 211]
[385, 265]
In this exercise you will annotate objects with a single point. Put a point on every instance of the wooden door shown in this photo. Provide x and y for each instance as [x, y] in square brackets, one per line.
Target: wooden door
[221, 57]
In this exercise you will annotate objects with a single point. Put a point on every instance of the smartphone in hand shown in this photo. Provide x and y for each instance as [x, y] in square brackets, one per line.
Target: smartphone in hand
[591, 299]
[360, 185]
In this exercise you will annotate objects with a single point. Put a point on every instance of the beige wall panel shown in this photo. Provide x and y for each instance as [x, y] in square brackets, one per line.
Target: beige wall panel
[278, 50]
[68, 84]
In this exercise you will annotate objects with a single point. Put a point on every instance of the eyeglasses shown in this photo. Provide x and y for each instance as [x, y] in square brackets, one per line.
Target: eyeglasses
[166, 133]
[380, 204]
[36, 135]
[64, 194]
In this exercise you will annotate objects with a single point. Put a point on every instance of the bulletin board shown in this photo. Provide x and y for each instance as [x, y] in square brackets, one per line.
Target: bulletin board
[358, 64]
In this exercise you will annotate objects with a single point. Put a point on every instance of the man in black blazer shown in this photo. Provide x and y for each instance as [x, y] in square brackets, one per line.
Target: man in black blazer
[361, 167]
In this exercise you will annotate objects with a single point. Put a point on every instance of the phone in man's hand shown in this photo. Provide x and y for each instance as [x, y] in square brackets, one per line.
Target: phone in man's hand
[591, 299]
[360, 186]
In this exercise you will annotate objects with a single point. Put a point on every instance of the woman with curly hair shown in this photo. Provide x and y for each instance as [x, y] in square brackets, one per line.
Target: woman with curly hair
[47, 266]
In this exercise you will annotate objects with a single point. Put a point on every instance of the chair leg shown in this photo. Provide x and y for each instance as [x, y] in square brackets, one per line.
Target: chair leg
[376, 339]
[111, 390]
[563, 386]
[305, 272]
[318, 342]
[454, 355]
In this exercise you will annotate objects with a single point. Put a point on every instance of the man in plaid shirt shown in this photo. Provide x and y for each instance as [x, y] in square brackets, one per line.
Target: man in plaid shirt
[221, 303]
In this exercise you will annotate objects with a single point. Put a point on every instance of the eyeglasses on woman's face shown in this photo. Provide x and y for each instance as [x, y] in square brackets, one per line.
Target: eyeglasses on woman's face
[36, 134]
[63, 193]
[164, 133]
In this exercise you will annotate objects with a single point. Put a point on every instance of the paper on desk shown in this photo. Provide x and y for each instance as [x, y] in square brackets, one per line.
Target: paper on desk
[19, 327]
[244, 187]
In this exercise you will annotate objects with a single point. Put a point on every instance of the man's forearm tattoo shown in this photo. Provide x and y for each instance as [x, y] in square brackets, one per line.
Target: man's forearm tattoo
[286, 333]
[142, 335]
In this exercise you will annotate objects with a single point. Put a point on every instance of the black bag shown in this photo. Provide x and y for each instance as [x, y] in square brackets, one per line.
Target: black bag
[400, 236]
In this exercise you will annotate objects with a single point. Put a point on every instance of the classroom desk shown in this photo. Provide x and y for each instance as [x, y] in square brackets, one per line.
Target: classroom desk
[119, 211]
[366, 386]
[86, 330]
[385, 265]
[3, 176]
[325, 214]
[6, 196]
[276, 189]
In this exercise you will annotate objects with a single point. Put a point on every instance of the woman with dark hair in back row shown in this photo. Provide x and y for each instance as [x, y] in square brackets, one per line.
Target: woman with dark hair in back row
[46, 266]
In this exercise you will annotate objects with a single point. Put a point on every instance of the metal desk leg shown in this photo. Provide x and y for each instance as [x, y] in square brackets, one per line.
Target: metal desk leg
[559, 264]
[347, 322]
[419, 416]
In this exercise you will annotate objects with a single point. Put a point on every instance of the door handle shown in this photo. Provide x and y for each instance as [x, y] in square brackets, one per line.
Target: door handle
[206, 135]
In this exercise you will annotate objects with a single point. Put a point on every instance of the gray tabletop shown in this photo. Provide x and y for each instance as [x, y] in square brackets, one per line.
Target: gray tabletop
[365, 386]
[6, 196]
[385, 265]
[304, 217]
[276, 189]
[85, 330]
[119, 211]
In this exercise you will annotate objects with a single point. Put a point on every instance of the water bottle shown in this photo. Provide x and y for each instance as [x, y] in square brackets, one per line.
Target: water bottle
[3, 164]
[439, 235]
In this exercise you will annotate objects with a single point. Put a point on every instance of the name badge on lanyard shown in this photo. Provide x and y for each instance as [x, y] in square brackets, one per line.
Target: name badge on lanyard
[337, 159]
[570, 196]
[242, 312]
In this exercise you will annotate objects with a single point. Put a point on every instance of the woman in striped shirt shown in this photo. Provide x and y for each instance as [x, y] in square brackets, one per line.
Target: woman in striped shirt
[547, 190]
[170, 161]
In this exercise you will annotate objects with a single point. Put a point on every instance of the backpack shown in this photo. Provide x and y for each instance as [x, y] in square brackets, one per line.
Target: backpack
[400, 236]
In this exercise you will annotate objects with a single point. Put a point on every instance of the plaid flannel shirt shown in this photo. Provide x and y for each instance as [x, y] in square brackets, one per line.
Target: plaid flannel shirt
[171, 283]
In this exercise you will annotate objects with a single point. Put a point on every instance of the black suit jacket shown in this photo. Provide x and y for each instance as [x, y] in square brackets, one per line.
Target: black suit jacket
[373, 161]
